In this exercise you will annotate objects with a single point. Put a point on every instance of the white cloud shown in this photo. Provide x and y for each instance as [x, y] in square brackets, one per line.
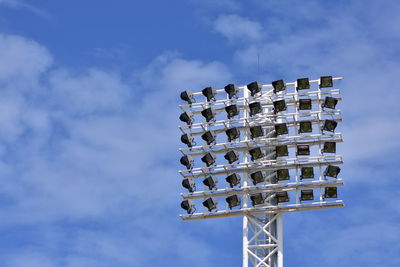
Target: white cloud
[237, 28]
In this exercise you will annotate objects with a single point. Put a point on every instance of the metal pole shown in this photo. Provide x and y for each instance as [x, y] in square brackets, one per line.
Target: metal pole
[245, 196]
[280, 239]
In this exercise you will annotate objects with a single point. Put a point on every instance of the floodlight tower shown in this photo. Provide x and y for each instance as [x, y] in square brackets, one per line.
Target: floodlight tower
[280, 156]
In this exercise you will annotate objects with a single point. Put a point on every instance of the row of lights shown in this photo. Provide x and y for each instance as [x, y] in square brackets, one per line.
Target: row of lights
[256, 153]
[256, 108]
[259, 177]
[257, 131]
[255, 88]
[257, 199]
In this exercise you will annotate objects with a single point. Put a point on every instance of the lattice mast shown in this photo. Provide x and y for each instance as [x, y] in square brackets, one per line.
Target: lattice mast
[280, 156]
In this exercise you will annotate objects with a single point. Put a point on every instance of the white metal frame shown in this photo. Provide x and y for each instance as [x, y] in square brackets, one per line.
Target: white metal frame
[263, 224]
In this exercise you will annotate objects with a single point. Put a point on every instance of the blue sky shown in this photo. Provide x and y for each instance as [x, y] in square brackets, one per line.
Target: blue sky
[88, 126]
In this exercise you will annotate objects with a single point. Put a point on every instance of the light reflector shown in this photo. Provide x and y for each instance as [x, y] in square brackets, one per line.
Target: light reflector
[209, 93]
[329, 147]
[209, 137]
[303, 83]
[281, 128]
[279, 105]
[330, 102]
[330, 192]
[189, 184]
[256, 153]
[232, 111]
[210, 182]
[231, 156]
[254, 88]
[307, 173]
[210, 203]
[305, 127]
[325, 81]
[303, 150]
[282, 197]
[232, 133]
[307, 195]
[282, 174]
[186, 117]
[305, 104]
[332, 171]
[233, 201]
[233, 179]
[187, 96]
[278, 85]
[257, 177]
[208, 159]
[257, 199]
[232, 90]
[256, 131]
[281, 151]
[187, 139]
[329, 125]
[255, 108]
[188, 206]
[187, 161]
[209, 114]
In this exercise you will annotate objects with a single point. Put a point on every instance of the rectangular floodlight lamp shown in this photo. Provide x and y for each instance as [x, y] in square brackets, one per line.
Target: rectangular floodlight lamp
[307, 173]
[256, 131]
[329, 125]
[330, 102]
[255, 108]
[187, 161]
[189, 184]
[208, 159]
[256, 153]
[303, 83]
[332, 171]
[231, 156]
[329, 147]
[282, 197]
[232, 133]
[307, 195]
[254, 88]
[233, 201]
[187, 139]
[187, 96]
[186, 117]
[210, 182]
[233, 179]
[232, 111]
[257, 199]
[305, 127]
[303, 150]
[330, 192]
[281, 151]
[257, 177]
[232, 90]
[326, 81]
[305, 104]
[209, 93]
[188, 206]
[279, 86]
[281, 128]
[279, 106]
[210, 203]
[209, 137]
[209, 114]
[282, 174]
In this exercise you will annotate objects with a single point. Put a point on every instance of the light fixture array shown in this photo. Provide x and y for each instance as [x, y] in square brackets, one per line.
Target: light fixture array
[273, 144]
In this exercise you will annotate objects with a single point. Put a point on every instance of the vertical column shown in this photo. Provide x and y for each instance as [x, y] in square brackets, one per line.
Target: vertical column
[245, 184]
[279, 236]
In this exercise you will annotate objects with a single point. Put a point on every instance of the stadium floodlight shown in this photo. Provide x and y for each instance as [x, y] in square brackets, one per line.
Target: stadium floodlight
[232, 90]
[231, 156]
[307, 194]
[255, 108]
[263, 181]
[329, 147]
[330, 192]
[209, 93]
[330, 102]
[282, 174]
[256, 153]
[187, 161]
[332, 171]
[209, 114]
[208, 159]
[209, 137]
[187, 96]
[254, 87]
[257, 199]
[233, 179]
[326, 81]
[282, 197]
[307, 173]
[186, 117]
[189, 184]
[232, 133]
[305, 104]
[257, 177]
[210, 203]
[329, 125]
[256, 131]
[188, 206]
[303, 150]
[233, 201]
[279, 106]
[187, 139]
[232, 111]
[305, 127]
[281, 151]
[281, 128]
[279, 86]
[303, 83]
[210, 182]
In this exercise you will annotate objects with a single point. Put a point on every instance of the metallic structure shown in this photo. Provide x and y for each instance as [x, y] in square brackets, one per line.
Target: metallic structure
[261, 151]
